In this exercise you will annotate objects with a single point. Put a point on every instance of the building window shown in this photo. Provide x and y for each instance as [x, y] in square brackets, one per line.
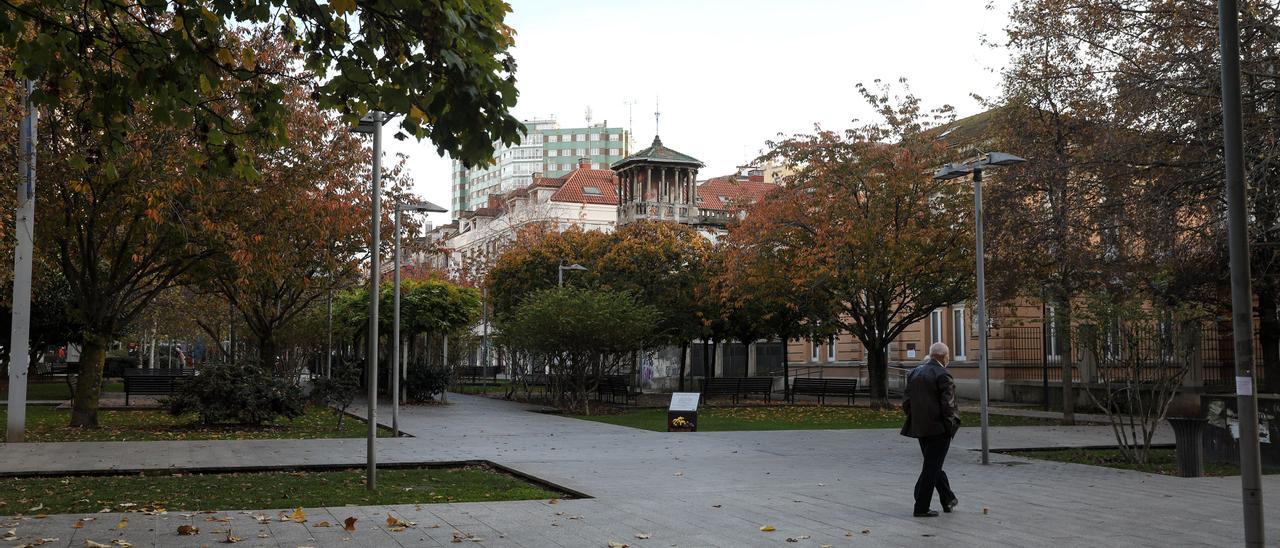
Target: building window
[958, 335]
[553, 138]
[582, 137]
[935, 326]
[613, 152]
[592, 191]
[831, 349]
[813, 351]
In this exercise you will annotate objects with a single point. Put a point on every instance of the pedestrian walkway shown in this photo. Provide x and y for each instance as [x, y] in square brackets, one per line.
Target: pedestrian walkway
[817, 487]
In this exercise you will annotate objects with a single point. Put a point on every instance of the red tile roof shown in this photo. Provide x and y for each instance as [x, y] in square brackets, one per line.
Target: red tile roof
[736, 191]
[573, 188]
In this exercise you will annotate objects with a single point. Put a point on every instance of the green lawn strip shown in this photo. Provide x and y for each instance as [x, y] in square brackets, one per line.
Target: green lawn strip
[500, 388]
[1161, 461]
[60, 391]
[789, 417]
[258, 490]
[45, 423]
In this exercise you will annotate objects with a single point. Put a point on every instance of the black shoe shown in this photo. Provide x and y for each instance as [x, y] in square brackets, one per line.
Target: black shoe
[926, 514]
[948, 505]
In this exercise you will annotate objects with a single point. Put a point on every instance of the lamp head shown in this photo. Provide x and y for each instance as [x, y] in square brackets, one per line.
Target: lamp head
[1002, 159]
[951, 171]
[426, 207]
[369, 123]
[574, 266]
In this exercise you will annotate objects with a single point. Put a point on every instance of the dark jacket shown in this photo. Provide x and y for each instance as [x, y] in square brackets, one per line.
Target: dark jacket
[930, 402]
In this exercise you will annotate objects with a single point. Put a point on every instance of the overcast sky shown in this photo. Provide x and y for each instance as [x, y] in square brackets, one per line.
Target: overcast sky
[731, 74]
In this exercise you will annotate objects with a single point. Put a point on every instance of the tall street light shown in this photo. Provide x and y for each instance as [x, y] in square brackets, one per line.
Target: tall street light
[24, 249]
[952, 171]
[1241, 290]
[396, 367]
[560, 276]
[372, 124]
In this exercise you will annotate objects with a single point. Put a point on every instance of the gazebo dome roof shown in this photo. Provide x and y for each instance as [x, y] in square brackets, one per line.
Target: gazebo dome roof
[657, 153]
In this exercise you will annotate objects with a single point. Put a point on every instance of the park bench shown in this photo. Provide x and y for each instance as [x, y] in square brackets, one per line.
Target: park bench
[614, 386]
[822, 388]
[738, 387]
[154, 382]
[478, 374]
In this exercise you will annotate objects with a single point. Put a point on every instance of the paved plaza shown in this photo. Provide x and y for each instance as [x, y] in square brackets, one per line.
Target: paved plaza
[823, 487]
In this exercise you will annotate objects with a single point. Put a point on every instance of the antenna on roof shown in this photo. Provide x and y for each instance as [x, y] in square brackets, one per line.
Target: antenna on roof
[657, 113]
[588, 116]
[629, 103]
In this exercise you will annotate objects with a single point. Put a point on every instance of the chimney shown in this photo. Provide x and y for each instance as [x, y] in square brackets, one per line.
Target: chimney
[584, 163]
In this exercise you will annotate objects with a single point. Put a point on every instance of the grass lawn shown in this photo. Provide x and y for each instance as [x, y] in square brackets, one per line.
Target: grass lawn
[57, 390]
[45, 423]
[209, 492]
[1162, 461]
[789, 417]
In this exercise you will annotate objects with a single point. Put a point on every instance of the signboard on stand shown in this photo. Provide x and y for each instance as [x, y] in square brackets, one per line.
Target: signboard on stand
[682, 414]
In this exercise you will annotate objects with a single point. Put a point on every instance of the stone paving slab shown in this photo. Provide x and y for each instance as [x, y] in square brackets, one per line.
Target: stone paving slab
[703, 489]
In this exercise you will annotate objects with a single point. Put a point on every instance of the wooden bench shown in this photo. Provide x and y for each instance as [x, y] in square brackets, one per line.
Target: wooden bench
[478, 374]
[154, 382]
[822, 388]
[738, 387]
[614, 386]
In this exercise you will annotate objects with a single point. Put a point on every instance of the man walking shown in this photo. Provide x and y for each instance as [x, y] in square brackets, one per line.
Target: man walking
[933, 419]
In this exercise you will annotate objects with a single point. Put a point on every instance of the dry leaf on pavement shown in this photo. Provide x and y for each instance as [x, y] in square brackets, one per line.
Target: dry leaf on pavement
[230, 538]
[124, 522]
[322, 524]
[393, 521]
[642, 536]
[187, 530]
[298, 516]
[616, 544]
[91, 544]
[768, 528]
[350, 524]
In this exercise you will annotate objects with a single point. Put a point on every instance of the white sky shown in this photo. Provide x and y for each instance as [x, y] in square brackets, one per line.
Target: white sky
[731, 74]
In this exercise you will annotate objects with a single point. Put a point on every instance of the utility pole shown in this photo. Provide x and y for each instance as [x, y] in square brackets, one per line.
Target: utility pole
[20, 332]
[1241, 289]
[375, 275]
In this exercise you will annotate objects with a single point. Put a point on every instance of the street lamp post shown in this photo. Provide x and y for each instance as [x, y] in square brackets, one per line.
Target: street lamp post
[372, 124]
[560, 274]
[24, 250]
[951, 171]
[1241, 290]
[396, 367]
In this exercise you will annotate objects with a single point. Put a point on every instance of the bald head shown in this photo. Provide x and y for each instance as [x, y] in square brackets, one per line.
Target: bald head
[940, 352]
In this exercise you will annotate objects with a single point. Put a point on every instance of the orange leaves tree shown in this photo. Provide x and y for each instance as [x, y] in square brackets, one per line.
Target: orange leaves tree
[867, 238]
[301, 230]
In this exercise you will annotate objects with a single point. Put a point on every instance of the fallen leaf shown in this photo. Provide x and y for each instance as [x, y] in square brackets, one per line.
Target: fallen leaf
[187, 530]
[642, 536]
[392, 521]
[985, 510]
[553, 501]
[79, 524]
[678, 474]
[103, 511]
[298, 515]
[826, 546]
[866, 531]
[768, 528]
[11, 534]
[322, 524]
[615, 544]
[230, 538]
[263, 535]
[218, 519]
[127, 504]
[91, 544]
[122, 543]
[350, 523]
[716, 505]
[36, 508]
[124, 522]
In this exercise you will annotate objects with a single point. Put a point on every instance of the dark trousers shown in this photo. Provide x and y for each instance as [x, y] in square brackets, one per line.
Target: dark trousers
[932, 477]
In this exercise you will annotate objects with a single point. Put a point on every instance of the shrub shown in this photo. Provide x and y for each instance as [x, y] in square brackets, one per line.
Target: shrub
[339, 389]
[237, 394]
[424, 382]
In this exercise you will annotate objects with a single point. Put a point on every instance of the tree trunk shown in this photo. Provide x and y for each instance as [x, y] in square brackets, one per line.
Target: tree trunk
[1269, 334]
[684, 349]
[84, 404]
[1063, 310]
[786, 371]
[267, 353]
[711, 373]
[878, 374]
